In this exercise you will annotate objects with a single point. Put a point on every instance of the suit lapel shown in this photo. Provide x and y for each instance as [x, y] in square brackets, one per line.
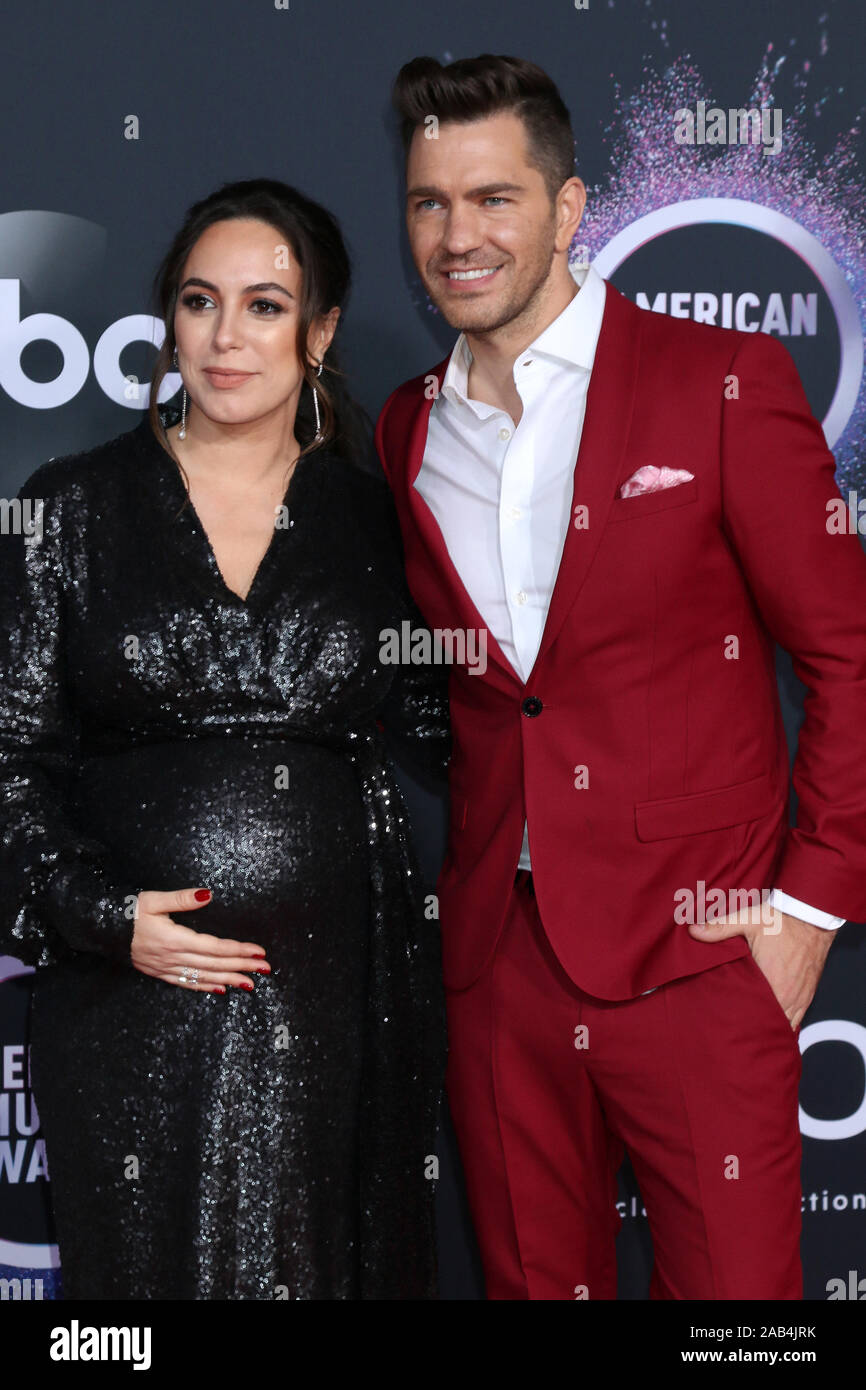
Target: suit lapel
[455, 599]
[603, 442]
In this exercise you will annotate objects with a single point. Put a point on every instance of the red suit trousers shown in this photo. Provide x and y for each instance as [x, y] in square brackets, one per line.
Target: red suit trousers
[697, 1081]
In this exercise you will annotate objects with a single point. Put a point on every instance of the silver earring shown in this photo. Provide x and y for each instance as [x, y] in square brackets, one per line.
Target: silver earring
[316, 409]
[181, 434]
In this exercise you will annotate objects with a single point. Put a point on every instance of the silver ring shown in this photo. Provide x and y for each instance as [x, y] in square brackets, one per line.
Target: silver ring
[188, 975]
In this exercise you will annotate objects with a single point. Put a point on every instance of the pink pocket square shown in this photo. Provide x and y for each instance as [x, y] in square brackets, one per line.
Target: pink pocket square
[652, 479]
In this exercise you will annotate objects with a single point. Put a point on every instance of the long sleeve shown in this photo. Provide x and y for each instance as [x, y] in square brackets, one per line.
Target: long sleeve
[415, 713]
[56, 883]
[809, 585]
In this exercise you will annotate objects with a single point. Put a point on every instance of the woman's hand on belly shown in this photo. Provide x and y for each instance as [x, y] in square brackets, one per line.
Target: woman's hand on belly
[182, 956]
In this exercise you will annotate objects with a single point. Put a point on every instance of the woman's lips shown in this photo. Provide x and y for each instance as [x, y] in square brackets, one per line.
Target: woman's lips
[223, 379]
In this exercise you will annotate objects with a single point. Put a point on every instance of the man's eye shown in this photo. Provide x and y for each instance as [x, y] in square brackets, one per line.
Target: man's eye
[428, 202]
[495, 198]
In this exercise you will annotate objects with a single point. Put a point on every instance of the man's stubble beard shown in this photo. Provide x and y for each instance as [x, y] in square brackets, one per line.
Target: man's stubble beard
[522, 299]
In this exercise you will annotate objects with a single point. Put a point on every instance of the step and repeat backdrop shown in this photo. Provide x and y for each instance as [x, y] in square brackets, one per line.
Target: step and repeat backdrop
[722, 150]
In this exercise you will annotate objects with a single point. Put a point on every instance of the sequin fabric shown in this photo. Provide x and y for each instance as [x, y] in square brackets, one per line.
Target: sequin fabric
[157, 731]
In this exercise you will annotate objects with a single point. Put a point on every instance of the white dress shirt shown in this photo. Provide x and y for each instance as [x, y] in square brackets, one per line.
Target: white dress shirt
[501, 493]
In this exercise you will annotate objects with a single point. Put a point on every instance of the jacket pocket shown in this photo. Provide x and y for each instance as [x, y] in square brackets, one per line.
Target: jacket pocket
[645, 504]
[710, 810]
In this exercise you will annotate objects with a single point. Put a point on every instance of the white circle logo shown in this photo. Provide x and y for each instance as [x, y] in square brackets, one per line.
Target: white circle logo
[738, 212]
[835, 1030]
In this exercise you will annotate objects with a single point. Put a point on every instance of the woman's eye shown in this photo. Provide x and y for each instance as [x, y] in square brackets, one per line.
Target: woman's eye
[264, 307]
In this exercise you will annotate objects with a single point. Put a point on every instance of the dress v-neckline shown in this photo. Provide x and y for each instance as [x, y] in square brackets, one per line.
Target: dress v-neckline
[242, 599]
[196, 533]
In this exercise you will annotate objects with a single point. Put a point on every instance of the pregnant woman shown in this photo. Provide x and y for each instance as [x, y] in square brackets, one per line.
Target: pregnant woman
[236, 1030]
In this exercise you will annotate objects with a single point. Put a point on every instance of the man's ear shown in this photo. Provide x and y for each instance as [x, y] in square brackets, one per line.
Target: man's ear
[570, 203]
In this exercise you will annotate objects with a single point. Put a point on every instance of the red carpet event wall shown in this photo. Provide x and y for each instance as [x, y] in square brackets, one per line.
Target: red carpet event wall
[722, 151]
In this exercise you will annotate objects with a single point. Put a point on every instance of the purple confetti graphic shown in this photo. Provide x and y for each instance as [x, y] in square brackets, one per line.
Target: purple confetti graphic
[649, 170]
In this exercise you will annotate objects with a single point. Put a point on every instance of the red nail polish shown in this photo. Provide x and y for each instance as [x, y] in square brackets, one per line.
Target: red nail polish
[219, 989]
[202, 895]
[247, 984]
[264, 970]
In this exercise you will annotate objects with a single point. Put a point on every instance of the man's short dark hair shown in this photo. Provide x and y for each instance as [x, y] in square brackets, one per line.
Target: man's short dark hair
[472, 88]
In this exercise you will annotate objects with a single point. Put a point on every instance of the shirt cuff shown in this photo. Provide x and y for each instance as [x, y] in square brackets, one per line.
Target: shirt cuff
[795, 908]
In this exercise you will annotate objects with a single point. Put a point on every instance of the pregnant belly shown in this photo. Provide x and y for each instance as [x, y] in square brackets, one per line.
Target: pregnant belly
[274, 828]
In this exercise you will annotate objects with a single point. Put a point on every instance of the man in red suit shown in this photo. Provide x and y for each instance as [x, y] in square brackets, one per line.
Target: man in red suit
[625, 511]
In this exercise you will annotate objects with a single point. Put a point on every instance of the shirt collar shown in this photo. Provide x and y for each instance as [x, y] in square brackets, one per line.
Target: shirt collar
[571, 339]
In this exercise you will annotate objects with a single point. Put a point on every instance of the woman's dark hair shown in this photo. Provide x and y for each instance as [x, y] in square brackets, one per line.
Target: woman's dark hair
[315, 240]
[473, 88]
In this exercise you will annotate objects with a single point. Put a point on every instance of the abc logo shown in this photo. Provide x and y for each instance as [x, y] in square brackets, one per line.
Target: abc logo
[16, 334]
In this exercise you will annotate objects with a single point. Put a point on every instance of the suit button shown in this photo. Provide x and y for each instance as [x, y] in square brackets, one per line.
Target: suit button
[532, 706]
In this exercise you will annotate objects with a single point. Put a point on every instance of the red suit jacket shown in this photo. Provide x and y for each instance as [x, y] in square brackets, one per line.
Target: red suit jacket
[656, 667]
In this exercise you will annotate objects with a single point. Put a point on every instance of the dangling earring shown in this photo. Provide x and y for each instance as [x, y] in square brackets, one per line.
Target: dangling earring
[319, 436]
[181, 434]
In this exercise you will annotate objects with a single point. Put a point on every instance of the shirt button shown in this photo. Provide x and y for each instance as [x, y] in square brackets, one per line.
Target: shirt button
[515, 512]
[532, 706]
[520, 596]
[504, 433]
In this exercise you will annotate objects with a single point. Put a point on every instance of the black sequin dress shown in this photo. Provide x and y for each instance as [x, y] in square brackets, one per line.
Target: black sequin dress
[158, 732]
